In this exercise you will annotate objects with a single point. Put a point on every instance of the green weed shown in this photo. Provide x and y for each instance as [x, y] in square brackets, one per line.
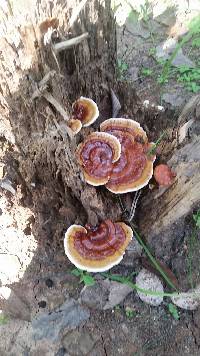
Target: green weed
[130, 313]
[146, 11]
[152, 151]
[117, 308]
[127, 281]
[173, 311]
[147, 72]
[194, 29]
[146, 15]
[196, 43]
[193, 244]
[153, 260]
[190, 77]
[84, 276]
[122, 68]
[3, 319]
[196, 218]
[152, 51]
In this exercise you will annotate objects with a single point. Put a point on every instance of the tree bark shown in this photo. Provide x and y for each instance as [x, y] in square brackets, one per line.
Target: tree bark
[163, 211]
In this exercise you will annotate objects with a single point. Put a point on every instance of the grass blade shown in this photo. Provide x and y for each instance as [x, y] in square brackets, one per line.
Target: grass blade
[153, 148]
[126, 281]
[153, 260]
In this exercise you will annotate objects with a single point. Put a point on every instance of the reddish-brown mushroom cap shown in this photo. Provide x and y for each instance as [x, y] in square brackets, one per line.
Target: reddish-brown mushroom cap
[134, 169]
[163, 175]
[125, 125]
[75, 125]
[96, 156]
[85, 110]
[97, 249]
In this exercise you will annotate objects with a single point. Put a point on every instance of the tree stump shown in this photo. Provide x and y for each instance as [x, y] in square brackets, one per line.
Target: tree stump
[48, 170]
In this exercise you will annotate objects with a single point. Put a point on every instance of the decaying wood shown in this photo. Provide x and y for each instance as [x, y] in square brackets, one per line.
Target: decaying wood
[88, 69]
[165, 209]
[189, 109]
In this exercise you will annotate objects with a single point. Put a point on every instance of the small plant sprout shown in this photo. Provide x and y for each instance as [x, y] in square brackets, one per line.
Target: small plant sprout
[122, 68]
[152, 51]
[147, 72]
[130, 313]
[117, 308]
[3, 319]
[84, 276]
[196, 43]
[196, 218]
[173, 311]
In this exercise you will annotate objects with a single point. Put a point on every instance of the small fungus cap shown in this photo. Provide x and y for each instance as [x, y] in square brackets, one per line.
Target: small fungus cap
[96, 156]
[97, 249]
[134, 169]
[85, 110]
[163, 175]
[75, 125]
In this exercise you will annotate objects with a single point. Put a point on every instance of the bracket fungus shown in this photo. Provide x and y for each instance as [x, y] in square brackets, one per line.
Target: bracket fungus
[99, 248]
[134, 168]
[85, 110]
[96, 156]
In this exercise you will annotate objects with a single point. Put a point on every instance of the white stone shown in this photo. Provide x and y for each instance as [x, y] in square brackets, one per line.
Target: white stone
[189, 300]
[149, 281]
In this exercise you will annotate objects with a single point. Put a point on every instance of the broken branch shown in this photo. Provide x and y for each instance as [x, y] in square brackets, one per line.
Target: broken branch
[61, 46]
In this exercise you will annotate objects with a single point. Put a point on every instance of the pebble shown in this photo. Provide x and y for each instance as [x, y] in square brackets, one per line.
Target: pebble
[149, 281]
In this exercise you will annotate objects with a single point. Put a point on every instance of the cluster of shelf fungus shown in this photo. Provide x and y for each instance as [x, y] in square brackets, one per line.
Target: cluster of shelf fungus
[119, 157]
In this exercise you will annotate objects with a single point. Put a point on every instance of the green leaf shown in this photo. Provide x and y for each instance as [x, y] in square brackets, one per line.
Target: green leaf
[146, 71]
[196, 43]
[76, 272]
[196, 218]
[88, 280]
[3, 319]
[173, 311]
[124, 66]
[130, 313]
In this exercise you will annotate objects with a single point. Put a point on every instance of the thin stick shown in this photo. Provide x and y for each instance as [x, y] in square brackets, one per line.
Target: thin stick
[134, 205]
[61, 46]
[56, 104]
[60, 109]
[43, 84]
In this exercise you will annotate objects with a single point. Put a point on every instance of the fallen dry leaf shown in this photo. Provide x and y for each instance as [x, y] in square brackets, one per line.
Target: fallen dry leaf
[147, 264]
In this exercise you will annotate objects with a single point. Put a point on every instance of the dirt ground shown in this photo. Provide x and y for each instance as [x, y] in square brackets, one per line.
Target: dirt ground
[46, 311]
